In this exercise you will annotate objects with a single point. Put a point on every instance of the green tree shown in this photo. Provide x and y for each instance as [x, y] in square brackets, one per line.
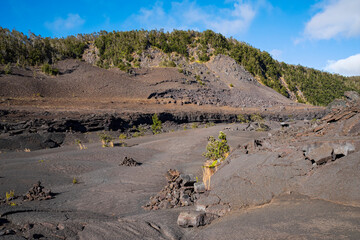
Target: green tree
[157, 125]
[217, 149]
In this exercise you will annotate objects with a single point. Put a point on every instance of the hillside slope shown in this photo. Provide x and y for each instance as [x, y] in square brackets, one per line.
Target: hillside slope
[129, 50]
[203, 84]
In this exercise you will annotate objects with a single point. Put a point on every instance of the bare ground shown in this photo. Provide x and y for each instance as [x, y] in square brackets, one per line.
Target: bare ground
[273, 190]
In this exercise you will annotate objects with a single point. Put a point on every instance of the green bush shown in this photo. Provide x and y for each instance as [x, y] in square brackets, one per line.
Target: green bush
[46, 68]
[157, 125]
[7, 69]
[106, 140]
[241, 118]
[167, 63]
[140, 131]
[217, 149]
[256, 118]
[122, 136]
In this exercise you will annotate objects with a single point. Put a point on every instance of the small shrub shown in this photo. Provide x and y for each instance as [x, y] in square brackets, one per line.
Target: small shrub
[231, 85]
[217, 149]
[74, 181]
[167, 63]
[9, 195]
[157, 125]
[140, 131]
[209, 124]
[7, 69]
[122, 136]
[262, 128]
[180, 70]
[241, 118]
[136, 63]
[123, 67]
[256, 118]
[138, 134]
[197, 77]
[46, 68]
[37, 95]
[194, 125]
[106, 140]
[79, 143]
[204, 57]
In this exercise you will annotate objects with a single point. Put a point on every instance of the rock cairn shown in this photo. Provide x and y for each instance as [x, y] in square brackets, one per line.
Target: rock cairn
[129, 162]
[38, 192]
[178, 192]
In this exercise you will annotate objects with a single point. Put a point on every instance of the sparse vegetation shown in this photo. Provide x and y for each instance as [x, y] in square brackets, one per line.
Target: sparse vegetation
[122, 136]
[256, 118]
[167, 63]
[106, 140]
[241, 118]
[46, 68]
[121, 49]
[157, 125]
[231, 85]
[74, 181]
[80, 145]
[262, 128]
[194, 125]
[37, 95]
[139, 131]
[10, 195]
[197, 77]
[8, 69]
[209, 124]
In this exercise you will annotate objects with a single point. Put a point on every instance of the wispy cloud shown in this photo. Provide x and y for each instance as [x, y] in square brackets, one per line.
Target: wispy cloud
[276, 53]
[62, 26]
[230, 21]
[339, 18]
[348, 67]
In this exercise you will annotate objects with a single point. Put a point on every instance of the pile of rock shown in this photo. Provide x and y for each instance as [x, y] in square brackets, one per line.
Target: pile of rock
[181, 190]
[129, 162]
[255, 126]
[38, 192]
[208, 208]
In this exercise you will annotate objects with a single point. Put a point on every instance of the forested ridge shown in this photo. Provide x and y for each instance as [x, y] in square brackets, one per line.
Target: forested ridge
[119, 49]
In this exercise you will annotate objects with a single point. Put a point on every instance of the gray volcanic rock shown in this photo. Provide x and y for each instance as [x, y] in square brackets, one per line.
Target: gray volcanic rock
[228, 68]
[352, 96]
[129, 162]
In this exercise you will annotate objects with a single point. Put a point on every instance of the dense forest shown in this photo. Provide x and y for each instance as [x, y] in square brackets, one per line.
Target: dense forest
[118, 49]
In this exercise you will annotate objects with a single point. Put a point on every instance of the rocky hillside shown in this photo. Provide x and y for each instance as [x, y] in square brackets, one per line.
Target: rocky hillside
[180, 49]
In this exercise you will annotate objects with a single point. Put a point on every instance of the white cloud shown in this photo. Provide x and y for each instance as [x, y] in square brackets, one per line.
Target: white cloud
[340, 18]
[276, 53]
[61, 26]
[230, 21]
[348, 67]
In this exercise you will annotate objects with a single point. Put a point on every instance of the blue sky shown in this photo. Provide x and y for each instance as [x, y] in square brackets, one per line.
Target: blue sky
[323, 34]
